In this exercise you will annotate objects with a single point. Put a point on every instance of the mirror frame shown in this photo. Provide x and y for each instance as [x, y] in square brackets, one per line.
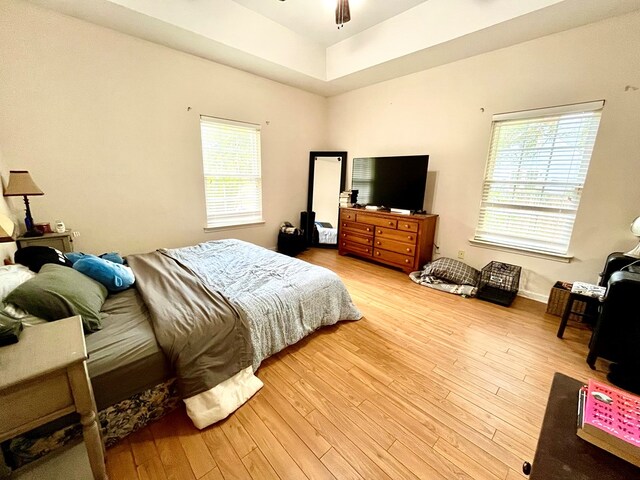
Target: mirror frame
[312, 163]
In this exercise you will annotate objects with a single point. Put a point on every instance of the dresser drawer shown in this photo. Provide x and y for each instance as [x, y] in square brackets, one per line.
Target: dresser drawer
[357, 228]
[398, 235]
[43, 397]
[376, 220]
[392, 257]
[408, 225]
[347, 216]
[348, 236]
[408, 249]
[358, 248]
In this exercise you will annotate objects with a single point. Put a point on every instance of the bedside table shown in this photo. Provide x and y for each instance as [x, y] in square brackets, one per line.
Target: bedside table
[61, 241]
[44, 376]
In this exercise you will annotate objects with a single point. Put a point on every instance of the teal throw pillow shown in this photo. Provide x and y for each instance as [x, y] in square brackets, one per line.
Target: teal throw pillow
[59, 292]
[114, 276]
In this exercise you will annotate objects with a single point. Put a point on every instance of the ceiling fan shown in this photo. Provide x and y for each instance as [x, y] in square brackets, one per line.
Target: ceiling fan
[343, 14]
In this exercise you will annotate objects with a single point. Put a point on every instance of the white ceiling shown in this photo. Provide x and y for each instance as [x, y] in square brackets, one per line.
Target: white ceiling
[296, 42]
[315, 19]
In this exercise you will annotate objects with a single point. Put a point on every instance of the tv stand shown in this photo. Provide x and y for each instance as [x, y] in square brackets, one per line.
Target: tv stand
[394, 239]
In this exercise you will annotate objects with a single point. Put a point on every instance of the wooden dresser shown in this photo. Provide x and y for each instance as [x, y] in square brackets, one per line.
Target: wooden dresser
[404, 241]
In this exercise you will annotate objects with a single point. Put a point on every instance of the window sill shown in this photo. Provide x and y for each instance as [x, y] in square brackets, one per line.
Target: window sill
[531, 253]
[233, 226]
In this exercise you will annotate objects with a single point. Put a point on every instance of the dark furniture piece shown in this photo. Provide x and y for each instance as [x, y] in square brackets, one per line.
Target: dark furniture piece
[590, 313]
[561, 454]
[291, 243]
[616, 335]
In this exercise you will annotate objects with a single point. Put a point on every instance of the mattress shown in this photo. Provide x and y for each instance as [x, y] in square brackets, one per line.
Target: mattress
[124, 357]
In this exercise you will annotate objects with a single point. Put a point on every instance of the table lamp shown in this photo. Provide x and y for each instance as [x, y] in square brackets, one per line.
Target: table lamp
[6, 229]
[635, 229]
[21, 184]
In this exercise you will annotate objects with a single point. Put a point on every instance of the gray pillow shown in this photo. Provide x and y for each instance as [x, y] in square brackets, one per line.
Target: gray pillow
[453, 271]
[59, 292]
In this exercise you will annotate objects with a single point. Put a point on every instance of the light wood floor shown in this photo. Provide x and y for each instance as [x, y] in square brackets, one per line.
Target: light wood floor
[427, 385]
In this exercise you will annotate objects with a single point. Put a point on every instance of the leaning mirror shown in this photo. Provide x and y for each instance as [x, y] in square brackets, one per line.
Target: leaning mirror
[326, 181]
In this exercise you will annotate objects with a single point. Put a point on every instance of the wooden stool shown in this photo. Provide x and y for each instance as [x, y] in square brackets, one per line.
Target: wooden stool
[592, 303]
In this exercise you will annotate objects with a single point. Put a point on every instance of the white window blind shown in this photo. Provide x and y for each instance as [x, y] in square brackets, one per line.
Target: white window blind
[362, 179]
[537, 166]
[232, 171]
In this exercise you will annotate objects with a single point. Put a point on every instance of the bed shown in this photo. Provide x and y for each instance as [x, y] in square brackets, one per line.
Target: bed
[140, 368]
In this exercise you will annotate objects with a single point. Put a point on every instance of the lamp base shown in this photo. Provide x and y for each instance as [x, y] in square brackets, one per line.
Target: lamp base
[33, 233]
[635, 253]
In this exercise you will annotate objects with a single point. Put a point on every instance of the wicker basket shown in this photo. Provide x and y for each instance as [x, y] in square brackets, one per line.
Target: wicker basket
[558, 299]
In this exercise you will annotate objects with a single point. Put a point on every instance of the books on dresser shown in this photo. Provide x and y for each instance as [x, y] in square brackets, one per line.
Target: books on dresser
[609, 418]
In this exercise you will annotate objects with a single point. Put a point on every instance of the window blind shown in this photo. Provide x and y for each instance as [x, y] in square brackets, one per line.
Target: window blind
[537, 166]
[232, 171]
[362, 179]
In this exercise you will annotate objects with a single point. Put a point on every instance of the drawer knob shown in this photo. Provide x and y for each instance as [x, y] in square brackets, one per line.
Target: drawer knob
[408, 250]
[409, 237]
[344, 244]
[390, 223]
[379, 231]
[344, 224]
[344, 234]
[378, 243]
[368, 229]
[406, 260]
[368, 240]
[378, 253]
[406, 225]
[366, 250]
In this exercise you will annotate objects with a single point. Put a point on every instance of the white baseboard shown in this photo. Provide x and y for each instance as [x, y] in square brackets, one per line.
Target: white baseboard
[538, 297]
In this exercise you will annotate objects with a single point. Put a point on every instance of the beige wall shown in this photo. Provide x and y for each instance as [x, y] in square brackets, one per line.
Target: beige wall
[438, 112]
[101, 121]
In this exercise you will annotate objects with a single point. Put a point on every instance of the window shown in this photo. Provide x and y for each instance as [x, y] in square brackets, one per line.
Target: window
[537, 166]
[232, 173]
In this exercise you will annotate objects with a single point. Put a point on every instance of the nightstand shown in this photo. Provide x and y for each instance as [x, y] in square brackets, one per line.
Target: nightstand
[44, 376]
[61, 241]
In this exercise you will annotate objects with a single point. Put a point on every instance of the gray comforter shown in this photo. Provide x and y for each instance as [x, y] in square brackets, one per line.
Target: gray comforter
[283, 299]
[202, 334]
[221, 306]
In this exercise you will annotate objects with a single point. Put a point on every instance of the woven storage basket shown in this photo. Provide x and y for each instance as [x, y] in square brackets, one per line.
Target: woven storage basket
[558, 299]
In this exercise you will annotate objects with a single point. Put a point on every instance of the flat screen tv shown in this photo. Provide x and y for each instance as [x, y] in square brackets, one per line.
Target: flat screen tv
[391, 182]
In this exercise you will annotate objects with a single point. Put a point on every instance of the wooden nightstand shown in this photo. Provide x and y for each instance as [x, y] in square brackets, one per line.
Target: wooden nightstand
[61, 241]
[44, 376]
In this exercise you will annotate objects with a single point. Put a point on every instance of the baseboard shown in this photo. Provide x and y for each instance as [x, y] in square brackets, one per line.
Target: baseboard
[538, 297]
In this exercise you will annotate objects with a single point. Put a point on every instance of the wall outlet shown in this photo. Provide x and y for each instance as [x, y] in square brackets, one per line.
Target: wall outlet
[75, 234]
[460, 254]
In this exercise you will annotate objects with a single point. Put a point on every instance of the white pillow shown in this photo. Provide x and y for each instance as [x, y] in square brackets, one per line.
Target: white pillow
[12, 276]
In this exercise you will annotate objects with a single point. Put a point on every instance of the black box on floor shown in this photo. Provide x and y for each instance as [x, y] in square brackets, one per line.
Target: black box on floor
[291, 243]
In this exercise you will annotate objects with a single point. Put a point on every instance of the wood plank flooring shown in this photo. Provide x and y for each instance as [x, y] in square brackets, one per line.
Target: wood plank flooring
[427, 385]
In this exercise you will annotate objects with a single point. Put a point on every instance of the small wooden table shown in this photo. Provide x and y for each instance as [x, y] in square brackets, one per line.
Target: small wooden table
[61, 241]
[43, 377]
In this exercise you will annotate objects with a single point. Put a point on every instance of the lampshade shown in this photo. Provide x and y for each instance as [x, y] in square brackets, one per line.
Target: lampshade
[635, 229]
[6, 229]
[21, 183]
